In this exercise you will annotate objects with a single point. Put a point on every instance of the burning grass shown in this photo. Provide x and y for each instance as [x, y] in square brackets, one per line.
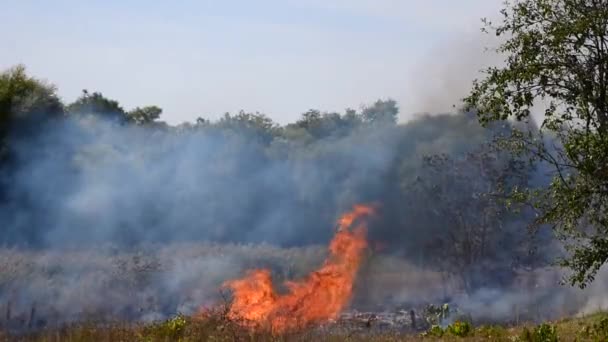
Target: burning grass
[156, 282]
[321, 296]
[134, 295]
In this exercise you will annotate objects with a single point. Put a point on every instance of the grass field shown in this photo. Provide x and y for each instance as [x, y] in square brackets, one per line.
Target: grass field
[43, 291]
[217, 328]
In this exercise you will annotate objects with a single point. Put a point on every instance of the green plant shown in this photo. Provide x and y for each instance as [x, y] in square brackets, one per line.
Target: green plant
[172, 329]
[554, 53]
[460, 329]
[434, 331]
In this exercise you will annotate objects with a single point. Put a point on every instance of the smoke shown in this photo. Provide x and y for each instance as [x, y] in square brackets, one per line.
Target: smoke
[90, 181]
[103, 220]
[106, 221]
[446, 73]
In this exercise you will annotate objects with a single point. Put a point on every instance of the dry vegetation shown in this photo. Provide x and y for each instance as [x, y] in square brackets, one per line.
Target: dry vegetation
[215, 327]
[53, 287]
[138, 295]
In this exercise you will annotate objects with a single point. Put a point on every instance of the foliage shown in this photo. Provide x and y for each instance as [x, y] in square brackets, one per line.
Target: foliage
[434, 331]
[381, 112]
[557, 56]
[542, 333]
[315, 124]
[97, 104]
[25, 104]
[145, 115]
[22, 97]
[460, 329]
[468, 192]
[254, 126]
[457, 329]
[172, 329]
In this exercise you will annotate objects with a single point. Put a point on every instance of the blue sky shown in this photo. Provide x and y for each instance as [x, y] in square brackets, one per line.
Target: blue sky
[281, 57]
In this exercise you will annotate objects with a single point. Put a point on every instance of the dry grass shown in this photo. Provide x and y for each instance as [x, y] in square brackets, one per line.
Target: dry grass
[156, 282]
[215, 327]
[102, 285]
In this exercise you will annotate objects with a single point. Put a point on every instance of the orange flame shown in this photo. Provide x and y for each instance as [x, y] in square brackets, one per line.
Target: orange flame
[318, 298]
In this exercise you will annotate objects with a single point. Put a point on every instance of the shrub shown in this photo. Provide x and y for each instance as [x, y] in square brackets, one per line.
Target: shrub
[172, 329]
[434, 331]
[460, 329]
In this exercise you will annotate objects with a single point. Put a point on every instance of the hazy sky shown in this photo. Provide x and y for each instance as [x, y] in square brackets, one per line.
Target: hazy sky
[281, 57]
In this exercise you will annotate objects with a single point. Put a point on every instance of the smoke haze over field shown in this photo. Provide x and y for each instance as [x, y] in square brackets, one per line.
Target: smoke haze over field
[90, 181]
[107, 213]
[106, 220]
[154, 219]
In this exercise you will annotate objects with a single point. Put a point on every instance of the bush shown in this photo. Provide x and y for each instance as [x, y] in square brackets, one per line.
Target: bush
[542, 333]
[460, 329]
[434, 331]
[172, 329]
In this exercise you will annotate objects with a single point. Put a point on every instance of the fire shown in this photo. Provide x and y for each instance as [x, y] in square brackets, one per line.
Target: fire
[319, 297]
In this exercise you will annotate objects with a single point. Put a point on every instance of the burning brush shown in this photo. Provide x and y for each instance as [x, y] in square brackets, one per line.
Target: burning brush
[320, 297]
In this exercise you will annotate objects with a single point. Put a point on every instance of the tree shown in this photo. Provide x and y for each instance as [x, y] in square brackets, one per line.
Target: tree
[461, 206]
[310, 119]
[256, 126]
[24, 98]
[322, 125]
[381, 112]
[22, 95]
[145, 115]
[557, 55]
[95, 103]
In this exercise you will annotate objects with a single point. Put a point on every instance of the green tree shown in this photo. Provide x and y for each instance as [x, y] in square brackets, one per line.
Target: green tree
[95, 103]
[145, 115]
[381, 112]
[22, 95]
[556, 55]
[257, 126]
[24, 98]
[321, 125]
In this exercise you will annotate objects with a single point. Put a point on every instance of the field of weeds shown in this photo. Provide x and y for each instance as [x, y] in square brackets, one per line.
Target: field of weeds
[51, 288]
[156, 293]
[217, 328]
